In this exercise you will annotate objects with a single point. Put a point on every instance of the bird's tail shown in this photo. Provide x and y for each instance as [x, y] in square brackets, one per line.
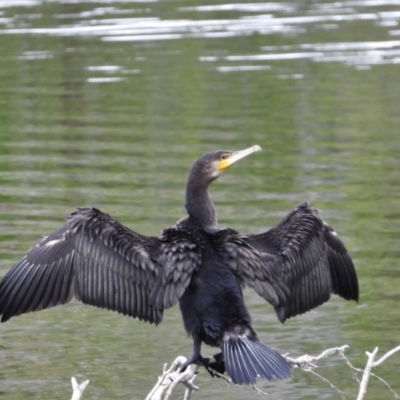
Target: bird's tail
[246, 359]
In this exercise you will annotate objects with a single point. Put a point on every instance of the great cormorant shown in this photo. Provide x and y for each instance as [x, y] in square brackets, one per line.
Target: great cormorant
[294, 266]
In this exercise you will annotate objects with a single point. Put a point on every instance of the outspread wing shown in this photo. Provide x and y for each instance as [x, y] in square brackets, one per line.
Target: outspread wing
[181, 257]
[310, 259]
[91, 257]
[248, 264]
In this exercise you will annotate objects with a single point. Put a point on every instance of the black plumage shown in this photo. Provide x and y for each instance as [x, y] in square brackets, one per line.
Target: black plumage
[92, 257]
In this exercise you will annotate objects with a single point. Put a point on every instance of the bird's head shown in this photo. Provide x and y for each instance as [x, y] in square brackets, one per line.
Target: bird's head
[209, 167]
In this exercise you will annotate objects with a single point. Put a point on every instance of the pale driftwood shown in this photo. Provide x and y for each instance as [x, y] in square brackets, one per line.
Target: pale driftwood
[172, 376]
[307, 362]
[371, 363]
[78, 389]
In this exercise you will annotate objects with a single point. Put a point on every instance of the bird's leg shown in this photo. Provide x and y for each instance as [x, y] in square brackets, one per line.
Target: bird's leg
[196, 357]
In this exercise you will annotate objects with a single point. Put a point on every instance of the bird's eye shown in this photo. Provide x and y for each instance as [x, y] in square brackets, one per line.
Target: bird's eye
[224, 156]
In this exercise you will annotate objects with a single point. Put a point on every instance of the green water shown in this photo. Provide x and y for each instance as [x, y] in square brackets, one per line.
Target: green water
[107, 104]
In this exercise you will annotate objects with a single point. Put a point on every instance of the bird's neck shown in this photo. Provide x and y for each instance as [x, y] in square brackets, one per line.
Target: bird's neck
[200, 207]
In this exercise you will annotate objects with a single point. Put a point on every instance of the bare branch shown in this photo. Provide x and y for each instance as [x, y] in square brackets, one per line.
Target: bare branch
[386, 356]
[78, 389]
[171, 377]
[306, 362]
[367, 373]
[371, 363]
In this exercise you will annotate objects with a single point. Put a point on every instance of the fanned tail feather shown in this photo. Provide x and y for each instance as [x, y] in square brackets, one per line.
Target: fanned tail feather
[247, 359]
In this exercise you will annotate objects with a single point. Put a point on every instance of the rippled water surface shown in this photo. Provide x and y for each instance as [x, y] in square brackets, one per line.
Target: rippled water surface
[107, 103]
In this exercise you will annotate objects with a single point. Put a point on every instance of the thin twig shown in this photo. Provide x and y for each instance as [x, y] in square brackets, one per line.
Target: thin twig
[386, 356]
[308, 363]
[341, 394]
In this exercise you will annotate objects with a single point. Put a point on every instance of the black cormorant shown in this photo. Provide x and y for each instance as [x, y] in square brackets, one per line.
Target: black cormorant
[294, 266]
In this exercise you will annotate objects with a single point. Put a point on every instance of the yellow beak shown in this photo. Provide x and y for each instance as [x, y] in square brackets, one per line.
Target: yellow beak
[236, 156]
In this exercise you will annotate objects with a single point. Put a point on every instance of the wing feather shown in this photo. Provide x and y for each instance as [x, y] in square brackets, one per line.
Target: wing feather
[309, 258]
[249, 265]
[181, 257]
[92, 257]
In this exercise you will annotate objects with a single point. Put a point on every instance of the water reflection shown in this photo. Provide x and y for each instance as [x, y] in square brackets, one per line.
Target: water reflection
[281, 20]
[358, 54]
